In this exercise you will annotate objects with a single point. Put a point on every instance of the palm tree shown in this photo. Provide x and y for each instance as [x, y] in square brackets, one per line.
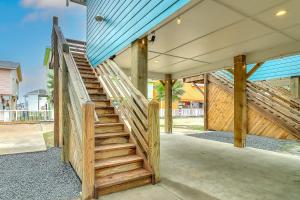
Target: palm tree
[177, 91]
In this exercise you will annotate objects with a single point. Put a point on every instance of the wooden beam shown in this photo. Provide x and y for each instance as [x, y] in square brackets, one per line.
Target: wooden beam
[154, 139]
[88, 152]
[240, 101]
[162, 82]
[65, 113]
[230, 70]
[205, 102]
[139, 65]
[253, 70]
[198, 88]
[295, 86]
[168, 103]
[56, 86]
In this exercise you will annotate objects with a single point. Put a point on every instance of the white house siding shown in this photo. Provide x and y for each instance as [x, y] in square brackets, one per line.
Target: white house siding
[5, 82]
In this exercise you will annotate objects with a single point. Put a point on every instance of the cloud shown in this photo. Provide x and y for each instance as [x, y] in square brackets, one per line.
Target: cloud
[43, 3]
[45, 9]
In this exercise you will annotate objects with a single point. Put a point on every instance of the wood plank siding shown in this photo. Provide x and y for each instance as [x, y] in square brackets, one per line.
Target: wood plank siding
[6, 87]
[124, 21]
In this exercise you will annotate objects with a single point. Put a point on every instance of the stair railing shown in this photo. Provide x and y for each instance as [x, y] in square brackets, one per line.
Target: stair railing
[269, 100]
[77, 114]
[140, 116]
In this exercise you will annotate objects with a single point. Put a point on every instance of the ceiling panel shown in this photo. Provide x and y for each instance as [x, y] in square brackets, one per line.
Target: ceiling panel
[184, 65]
[265, 42]
[124, 58]
[291, 18]
[242, 31]
[293, 31]
[163, 61]
[250, 7]
[199, 22]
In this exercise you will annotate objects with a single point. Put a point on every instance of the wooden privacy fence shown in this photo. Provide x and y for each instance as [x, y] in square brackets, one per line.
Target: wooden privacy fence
[74, 111]
[274, 104]
[184, 112]
[140, 115]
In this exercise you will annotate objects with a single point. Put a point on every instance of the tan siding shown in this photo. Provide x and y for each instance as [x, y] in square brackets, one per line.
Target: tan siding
[5, 82]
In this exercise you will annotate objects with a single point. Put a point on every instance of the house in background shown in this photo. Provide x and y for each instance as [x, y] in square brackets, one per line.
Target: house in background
[36, 100]
[10, 77]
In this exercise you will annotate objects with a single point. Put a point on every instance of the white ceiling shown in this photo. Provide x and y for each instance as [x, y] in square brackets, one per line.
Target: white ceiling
[212, 32]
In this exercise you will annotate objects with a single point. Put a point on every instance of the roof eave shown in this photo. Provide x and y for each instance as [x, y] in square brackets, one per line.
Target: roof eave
[81, 2]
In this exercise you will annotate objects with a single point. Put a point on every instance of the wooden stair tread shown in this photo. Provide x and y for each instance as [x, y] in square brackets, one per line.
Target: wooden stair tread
[109, 135]
[122, 160]
[110, 147]
[107, 124]
[104, 107]
[123, 177]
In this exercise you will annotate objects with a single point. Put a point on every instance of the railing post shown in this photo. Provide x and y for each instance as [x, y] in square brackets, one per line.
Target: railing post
[88, 155]
[154, 139]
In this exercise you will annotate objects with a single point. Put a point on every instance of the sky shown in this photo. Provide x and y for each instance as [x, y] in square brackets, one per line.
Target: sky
[25, 32]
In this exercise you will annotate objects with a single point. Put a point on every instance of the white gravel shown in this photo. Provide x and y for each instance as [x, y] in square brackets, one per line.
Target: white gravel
[37, 176]
[270, 144]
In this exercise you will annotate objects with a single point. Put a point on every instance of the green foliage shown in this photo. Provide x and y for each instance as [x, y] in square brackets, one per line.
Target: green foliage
[177, 91]
[50, 85]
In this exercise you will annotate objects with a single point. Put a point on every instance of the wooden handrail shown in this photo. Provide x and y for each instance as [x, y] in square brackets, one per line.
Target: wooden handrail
[140, 115]
[78, 111]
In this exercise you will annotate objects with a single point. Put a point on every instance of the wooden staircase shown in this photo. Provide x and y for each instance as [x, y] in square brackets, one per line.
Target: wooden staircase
[117, 164]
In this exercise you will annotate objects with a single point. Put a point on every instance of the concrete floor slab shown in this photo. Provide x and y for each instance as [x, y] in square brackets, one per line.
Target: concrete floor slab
[21, 138]
[196, 169]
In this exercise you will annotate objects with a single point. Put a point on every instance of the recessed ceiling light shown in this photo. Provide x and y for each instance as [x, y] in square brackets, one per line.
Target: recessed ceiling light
[281, 13]
[156, 61]
[178, 20]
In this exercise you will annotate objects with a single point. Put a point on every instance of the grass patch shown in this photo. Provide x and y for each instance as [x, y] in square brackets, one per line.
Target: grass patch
[49, 139]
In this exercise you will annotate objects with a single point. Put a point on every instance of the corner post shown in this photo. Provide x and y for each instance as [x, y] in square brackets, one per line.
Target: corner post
[295, 86]
[240, 101]
[56, 95]
[88, 154]
[205, 108]
[168, 103]
[154, 139]
[139, 62]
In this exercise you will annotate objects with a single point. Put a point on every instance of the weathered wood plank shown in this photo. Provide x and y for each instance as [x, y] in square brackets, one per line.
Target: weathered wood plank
[88, 140]
[168, 104]
[240, 101]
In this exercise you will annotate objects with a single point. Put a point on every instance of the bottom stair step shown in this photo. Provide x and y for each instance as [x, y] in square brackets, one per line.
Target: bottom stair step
[122, 181]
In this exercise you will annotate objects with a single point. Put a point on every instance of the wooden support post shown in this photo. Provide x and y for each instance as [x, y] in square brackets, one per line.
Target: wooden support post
[168, 103]
[154, 139]
[139, 65]
[56, 86]
[65, 113]
[295, 86]
[205, 102]
[88, 153]
[240, 101]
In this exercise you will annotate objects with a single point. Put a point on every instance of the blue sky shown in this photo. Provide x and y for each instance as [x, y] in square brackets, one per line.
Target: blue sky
[25, 32]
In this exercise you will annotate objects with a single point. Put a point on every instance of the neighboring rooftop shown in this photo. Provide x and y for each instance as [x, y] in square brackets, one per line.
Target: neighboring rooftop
[40, 92]
[12, 66]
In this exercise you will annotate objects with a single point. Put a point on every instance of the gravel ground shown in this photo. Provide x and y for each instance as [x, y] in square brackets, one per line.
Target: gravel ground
[37, 176]
[270, 144]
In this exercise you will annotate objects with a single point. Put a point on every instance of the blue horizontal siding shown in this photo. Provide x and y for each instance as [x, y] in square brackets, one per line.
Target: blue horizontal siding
[125, 21]
[277, 68]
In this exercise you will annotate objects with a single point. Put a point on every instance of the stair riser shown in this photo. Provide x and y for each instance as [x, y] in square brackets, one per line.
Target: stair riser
[118, 169]
[82, 68]
[97, 90]
[88, 76]
[124, 186]
[102, 103]
[105, 111]
[114, 153]
[92, 84]
[109, 129]
[98, 96]
[111, 119]
[112, 140]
